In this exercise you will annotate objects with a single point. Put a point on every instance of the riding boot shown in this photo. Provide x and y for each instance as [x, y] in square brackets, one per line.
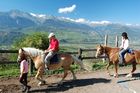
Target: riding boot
[47, 66]
[122, 62]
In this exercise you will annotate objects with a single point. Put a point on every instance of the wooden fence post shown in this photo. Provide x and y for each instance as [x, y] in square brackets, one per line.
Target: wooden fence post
[80, 53]
[106, 40]
[116, 42]
[105, 44]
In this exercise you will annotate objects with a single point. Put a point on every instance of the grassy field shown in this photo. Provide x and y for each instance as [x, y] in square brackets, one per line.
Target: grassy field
[91, 64]
[9, 70]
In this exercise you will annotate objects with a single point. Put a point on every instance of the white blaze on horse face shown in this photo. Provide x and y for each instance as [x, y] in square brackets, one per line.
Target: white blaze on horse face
[19, 55]
[97, 52]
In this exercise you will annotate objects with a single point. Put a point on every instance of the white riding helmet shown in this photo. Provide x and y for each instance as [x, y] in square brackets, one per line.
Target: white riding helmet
[51, 34]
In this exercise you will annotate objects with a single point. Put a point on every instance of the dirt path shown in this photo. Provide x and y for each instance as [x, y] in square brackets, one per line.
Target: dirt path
[91, 82]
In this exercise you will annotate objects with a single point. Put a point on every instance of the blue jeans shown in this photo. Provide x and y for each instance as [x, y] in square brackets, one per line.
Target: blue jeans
[122, 53]
[49, 56]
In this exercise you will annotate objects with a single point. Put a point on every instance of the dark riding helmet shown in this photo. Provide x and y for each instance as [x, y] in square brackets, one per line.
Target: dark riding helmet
[124, 34]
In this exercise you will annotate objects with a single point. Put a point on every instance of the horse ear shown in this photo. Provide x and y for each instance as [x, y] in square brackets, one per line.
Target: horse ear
[22, 49]
[100, 45]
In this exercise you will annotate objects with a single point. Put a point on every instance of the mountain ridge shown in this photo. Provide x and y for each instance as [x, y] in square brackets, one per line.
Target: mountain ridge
[24, 22]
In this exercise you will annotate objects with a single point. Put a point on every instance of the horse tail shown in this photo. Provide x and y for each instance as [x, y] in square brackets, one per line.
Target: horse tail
[78, 61]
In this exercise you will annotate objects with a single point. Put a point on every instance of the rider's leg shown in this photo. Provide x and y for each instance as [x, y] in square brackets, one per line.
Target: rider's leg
[48, 57]
[121, 54]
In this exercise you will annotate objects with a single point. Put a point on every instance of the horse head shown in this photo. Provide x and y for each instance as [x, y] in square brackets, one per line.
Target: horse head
[21, 54]
[99, 50]
[29, 53]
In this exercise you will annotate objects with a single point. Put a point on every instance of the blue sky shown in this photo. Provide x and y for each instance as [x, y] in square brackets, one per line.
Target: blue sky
[116, 11]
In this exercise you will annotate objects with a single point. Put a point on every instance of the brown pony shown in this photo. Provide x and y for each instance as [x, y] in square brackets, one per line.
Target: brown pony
[38, 58]
[113, 56]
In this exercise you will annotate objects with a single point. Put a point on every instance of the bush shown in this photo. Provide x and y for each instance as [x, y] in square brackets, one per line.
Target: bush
[37, 40]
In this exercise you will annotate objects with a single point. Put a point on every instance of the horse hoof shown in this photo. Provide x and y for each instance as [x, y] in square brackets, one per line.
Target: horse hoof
[108, 74]
[60, 83]
[41, 83]
[116, 76]
[44, 82]
[129, 76]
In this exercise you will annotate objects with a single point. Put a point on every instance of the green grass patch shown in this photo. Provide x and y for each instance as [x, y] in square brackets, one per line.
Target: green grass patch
[99, 65]
[9, 70]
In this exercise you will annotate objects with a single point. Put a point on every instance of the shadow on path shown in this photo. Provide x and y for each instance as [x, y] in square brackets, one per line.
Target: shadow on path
[136, 76]
[70, 84]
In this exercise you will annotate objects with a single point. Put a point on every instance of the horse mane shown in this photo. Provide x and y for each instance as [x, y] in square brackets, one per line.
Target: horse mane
[110, 48]
[33, 51]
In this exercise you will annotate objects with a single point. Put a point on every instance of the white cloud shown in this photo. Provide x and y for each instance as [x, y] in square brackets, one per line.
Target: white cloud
[67, 9]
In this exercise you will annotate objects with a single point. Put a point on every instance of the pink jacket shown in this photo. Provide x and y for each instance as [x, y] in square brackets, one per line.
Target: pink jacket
[24, 66]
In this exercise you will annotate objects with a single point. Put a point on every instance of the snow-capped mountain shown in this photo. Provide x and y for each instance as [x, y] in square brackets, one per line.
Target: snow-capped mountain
[16, 20]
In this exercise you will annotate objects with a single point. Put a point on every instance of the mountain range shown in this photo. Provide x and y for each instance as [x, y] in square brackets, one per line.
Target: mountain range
[16, 23]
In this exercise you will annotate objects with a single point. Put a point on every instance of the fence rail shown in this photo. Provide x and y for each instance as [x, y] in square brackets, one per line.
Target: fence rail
[8, 62]
[79, 53]
[8, 51]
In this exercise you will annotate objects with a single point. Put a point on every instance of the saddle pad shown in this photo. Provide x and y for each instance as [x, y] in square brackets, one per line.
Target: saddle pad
[131, 51]
[54, 59]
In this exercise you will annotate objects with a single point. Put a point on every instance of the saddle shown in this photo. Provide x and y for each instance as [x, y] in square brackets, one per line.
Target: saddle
[54, 59]
[130, 51]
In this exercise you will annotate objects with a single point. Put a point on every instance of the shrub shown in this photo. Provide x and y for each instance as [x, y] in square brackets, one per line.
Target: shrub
[37, 40]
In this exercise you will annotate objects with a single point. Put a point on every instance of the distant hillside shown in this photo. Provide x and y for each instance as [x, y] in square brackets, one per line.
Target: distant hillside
[8, 38]
[15, 23]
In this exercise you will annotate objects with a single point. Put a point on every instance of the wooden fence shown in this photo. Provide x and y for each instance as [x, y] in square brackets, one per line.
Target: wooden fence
[8, 51]
[79, 53]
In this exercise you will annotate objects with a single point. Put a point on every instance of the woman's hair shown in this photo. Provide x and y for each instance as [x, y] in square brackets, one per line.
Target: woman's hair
[23, 57]
[124, 34]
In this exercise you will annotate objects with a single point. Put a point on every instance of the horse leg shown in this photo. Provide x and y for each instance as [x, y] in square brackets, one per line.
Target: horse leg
[73, 74]
[133, 69]
[107, 68]
[65, 74]
[116, 70]
[39, 77]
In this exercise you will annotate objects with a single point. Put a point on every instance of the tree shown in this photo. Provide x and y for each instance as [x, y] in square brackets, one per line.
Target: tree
[37, 40]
